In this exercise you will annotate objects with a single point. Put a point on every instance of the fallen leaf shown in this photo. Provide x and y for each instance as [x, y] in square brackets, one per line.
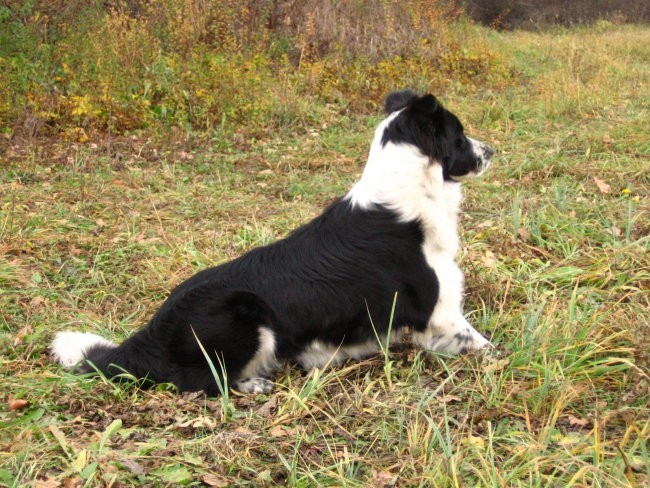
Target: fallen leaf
[523, 233]
[48, 483]
[37, 301]
[80, 463]
[191, 397]
[570, 439]
[311, 451]
[22, 333]
[265, 476]
[269, 407]
[495, 365]
[198, 422]
[485, 224]
[489, 260]
[60, 437]
[186, 156]
[243, 431]
[449, 398]
[73, 482]
[277, 431]
[487, 414]
[74, 250]
[602, 186]
[135, 468]
[575, 421]
[17, 404]
[214, 480]
[382, 479]
[280, 431]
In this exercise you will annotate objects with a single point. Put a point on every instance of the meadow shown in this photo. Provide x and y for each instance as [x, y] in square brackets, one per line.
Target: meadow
[138, 158]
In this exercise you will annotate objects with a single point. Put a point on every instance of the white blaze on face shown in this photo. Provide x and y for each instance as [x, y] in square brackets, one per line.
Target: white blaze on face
[483, 152]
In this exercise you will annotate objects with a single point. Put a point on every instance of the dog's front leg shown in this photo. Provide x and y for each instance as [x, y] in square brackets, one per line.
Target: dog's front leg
[452, 335]
[447, 329]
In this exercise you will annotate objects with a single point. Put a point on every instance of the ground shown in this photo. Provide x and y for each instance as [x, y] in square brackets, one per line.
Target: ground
[94, 234]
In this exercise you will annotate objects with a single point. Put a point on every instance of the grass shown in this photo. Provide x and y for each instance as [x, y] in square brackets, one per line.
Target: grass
[555, 249]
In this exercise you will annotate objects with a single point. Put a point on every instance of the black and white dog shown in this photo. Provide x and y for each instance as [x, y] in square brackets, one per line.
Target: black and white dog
[377, 260]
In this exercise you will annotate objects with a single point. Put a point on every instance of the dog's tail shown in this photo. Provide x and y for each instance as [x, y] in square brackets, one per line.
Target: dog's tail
[70, 348]
[83, 352]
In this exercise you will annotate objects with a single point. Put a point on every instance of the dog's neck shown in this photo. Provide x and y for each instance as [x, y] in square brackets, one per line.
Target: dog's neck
[415, 189]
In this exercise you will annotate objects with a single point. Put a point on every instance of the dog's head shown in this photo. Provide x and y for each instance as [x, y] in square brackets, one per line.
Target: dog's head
[422, 122]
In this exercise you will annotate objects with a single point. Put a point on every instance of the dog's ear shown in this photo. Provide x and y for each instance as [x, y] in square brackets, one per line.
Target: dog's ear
[427, 104]
[398, 100]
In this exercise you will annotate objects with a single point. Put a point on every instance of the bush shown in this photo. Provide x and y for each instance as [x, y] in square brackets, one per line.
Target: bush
[76, 67]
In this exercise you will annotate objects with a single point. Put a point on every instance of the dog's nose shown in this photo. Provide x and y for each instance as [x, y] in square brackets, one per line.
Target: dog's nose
[488, 151]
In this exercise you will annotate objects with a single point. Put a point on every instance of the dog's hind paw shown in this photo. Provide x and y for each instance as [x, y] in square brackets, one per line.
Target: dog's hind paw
[254, 385]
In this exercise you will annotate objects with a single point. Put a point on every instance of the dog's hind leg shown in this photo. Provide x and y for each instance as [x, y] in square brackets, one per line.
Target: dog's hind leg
[235, 330]
[252, 378]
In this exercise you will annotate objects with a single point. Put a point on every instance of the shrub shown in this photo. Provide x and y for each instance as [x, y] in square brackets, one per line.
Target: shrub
[76, 66]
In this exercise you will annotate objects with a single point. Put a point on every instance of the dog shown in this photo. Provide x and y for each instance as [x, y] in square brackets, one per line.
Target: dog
[378, 260]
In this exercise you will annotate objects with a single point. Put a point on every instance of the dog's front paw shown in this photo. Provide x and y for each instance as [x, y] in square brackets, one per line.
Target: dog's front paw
[254, 385]
[453, 340]
[470, 340]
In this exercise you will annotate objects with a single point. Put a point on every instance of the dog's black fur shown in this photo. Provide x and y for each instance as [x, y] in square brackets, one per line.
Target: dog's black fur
[333, 280]
[324, 281]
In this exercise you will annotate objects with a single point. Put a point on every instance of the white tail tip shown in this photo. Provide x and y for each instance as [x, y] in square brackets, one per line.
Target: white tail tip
[68, 348]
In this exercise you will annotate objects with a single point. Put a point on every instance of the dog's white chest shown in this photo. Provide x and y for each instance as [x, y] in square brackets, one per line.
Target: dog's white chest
[439, 217]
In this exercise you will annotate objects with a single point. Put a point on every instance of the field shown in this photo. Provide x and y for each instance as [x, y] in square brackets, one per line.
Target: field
[96, 227]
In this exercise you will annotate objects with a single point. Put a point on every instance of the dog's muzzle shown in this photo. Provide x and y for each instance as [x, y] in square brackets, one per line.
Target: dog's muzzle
[484, 154]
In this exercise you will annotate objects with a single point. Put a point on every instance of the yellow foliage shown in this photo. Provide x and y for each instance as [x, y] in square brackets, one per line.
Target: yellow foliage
[200, 62]
[82, 105]
[76, 134]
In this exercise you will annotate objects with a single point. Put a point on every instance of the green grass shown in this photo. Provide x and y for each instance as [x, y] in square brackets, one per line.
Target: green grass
[93, 236]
